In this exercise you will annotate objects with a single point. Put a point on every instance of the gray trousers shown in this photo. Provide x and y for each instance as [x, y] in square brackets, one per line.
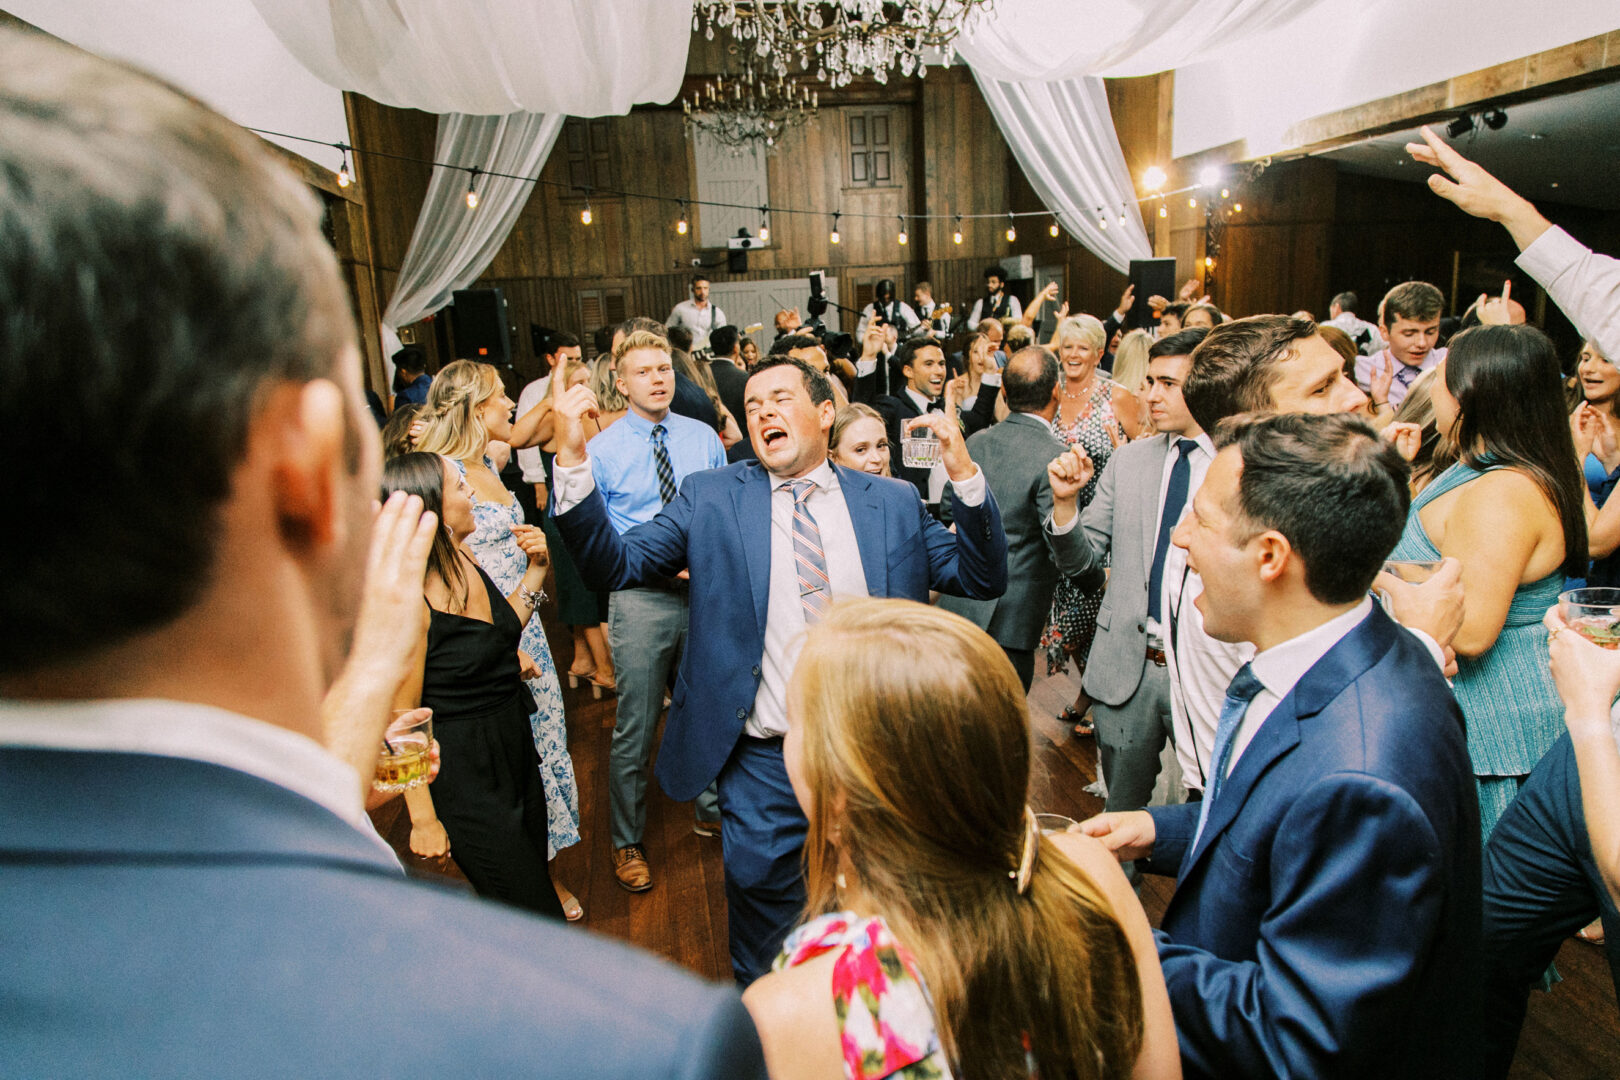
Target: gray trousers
[1131, 737]
[647, 631]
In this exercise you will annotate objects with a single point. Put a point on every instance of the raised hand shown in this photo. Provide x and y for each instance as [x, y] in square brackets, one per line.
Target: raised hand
[1585, 425]
[1190, 290]
[533, 542]
[572, 406]
[1406, 438]
[1050, 291]
[1499, 311]
[1476, 191]
[1586, 674]
[1126, 299]
[1068, 473]
[1157, 303]
[946, 428]
[1382, 378]
[1063, 311]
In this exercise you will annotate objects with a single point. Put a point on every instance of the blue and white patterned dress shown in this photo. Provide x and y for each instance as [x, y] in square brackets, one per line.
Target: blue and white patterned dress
[496, 550]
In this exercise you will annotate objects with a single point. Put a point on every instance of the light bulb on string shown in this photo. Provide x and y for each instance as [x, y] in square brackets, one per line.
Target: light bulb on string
[764, 225]
[1012, 228]
[1192, 203]
[1122, 219]
[902, 238]
[345, 178]
[681, 226]
[585, 214]
[1226, 193]
[956, 237]
[472, 190]
[1164, 211]
[1053, 229]
[1237, 208]
[833, 236]
[1102, 222]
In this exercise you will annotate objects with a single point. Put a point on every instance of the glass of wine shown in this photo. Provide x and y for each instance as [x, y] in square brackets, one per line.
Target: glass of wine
[404, 760]
[1053, 823]
[1594, 613]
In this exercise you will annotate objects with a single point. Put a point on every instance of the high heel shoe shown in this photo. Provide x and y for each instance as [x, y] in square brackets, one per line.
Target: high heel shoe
[600, 688]
[575, 676]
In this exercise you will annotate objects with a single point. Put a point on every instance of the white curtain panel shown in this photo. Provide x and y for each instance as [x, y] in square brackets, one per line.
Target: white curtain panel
[488, 57]
[1063, 137]
[452, 244]
[1039, 64]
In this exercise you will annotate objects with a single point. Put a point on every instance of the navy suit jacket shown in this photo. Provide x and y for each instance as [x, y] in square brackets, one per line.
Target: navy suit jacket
[167, 917]
[1328, 923]
[719, 528]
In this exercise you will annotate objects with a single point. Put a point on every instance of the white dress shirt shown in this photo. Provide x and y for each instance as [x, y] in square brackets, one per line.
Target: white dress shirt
[534, 470]
[1198, 462]
[937, 476]
[180, 729]
[1584, 284]
[784, 614]
[701, 321]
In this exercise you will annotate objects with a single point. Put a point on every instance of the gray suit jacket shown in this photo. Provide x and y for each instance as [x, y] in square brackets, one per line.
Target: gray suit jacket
[1014, 455]
[1122, 521]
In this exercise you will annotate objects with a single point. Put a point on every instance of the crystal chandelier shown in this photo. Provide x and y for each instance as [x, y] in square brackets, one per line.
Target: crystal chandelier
[742, 111]
[840, 40]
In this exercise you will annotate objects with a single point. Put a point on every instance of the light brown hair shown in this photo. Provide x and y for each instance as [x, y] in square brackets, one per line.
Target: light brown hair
[917, 751]
[846, 416]
[457, 393]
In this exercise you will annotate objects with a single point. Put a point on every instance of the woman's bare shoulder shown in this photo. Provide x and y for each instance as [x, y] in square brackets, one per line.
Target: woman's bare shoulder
[798, 1026]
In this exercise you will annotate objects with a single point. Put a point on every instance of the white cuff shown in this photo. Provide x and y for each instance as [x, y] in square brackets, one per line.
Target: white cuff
[863, 368]
[571, 485]
[1432, 645]
[1062, 530]
[971, 491]
[1550, 254]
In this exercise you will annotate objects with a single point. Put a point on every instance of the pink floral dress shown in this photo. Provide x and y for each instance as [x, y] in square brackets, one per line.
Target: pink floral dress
[885, 1016]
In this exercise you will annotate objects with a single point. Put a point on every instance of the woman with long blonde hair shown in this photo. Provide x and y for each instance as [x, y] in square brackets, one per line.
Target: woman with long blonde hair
[945, 934]
[1130, 371]
[467, 407]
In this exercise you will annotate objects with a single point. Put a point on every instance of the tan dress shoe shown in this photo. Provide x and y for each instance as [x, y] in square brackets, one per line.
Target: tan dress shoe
[630, 867]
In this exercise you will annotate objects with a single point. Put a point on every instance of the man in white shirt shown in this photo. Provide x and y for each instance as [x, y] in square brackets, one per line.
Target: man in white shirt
[1342, 314]
[922, 363]
[997, 302]
[698, 314]
[934, 317]
[1409, 319]
[562, 351]
[1326, 918]
[889, 310]
[768, 545]
[188, 879]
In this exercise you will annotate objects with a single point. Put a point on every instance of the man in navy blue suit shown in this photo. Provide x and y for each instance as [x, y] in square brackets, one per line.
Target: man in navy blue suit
[769, 544]
[189, 884]
[1326, 919]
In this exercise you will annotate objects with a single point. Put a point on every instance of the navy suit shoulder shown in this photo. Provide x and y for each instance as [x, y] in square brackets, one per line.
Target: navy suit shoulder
[197, 921]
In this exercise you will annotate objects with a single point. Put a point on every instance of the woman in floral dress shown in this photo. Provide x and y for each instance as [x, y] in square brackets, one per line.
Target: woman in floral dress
[1097, 415]
[467, 407]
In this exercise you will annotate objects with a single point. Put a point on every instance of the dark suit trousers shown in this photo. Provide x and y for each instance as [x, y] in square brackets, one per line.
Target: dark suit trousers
[762, 833]
[1541, 885]
[1023, 662]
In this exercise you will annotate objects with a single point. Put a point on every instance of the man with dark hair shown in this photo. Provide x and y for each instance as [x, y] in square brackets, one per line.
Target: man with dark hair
[188, 879]
[1034, 476]
[769, 544]
[1138, 502]
[1340, 786]
[921, 362]
[727, 368]
[1409, 319]
[934, 318]
[561, 350]
[411, 378]
[1170, 318]
[1342, 313]
[887, 308]
[698, 315]
[1267, 363]
[997, 302]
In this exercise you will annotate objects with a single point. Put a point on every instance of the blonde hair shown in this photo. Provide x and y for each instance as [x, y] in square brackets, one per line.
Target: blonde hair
[1017, 338]
[916, 747]
[459, 390]
[847, 416]
[1085, 329]
[1131, 360]
[641, 339]
[604, 386]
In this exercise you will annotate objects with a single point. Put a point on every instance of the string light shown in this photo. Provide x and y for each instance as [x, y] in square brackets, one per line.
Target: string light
[1164, 211]
[902, 238]
[1154, 178]
[585, 214]
[833, 236]
[764, 225]
[1237, 208]
[344, 176]
[1122, 219]
[956, 237]
[1209, 262]
[681, 226]
[472, 190]
[1192, 203]
[1053, 229]
[1226, 193]
[1012, 228]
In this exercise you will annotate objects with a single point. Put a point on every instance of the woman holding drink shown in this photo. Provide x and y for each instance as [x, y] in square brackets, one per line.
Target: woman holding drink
[1510, 510]
[488, 805]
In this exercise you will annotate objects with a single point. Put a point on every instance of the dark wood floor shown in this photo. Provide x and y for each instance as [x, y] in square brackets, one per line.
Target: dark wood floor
[1572, 1033]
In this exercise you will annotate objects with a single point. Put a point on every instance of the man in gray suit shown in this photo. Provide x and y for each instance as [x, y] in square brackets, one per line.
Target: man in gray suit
[1032, 475]
[1140, 497]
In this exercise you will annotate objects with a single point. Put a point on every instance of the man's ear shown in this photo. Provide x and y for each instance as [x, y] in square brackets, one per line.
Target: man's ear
[1275, 553]
[302, 433]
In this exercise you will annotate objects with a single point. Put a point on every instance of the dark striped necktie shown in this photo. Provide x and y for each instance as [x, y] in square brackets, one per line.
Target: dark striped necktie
[809, 561]
[666, 472]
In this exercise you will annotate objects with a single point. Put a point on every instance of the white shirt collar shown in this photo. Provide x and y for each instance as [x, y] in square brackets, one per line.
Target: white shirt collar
[823, 475]
[923, 403]
[180, 729]
[1280, 667]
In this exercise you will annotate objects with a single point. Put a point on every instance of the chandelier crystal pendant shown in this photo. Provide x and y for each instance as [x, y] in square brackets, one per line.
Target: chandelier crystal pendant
[751, 109]
[841, 40]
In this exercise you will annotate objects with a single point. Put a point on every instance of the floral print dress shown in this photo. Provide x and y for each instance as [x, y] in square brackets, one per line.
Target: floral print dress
[496, 550]
[885, 1016]
[1073, 622]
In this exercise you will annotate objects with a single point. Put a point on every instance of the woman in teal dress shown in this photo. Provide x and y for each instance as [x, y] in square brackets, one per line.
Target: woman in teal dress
[1511, 511]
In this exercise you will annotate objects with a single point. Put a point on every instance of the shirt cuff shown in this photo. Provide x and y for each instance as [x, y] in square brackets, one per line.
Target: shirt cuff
[1062, 530]
[1435, 651]
[970, 491]
[571, 485]
[863, 368]
[1550, 254]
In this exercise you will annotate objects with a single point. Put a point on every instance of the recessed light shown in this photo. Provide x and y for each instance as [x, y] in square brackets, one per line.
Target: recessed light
[1537, 135]
[1555, 183]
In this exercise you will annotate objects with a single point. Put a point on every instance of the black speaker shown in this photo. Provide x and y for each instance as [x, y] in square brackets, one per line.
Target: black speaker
[478, 318]
[1151, 277]
[737, 261]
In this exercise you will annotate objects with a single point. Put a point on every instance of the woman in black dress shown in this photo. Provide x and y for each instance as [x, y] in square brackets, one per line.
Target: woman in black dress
[488, 805]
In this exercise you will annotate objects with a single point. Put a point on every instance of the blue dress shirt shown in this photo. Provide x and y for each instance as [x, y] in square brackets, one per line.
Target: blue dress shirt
[622, 463]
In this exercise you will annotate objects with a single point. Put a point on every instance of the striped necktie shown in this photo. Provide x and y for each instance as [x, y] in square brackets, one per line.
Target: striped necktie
[809, 561]
[666, 472]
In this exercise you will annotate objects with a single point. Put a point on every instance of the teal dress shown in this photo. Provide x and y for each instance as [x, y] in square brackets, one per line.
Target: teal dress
[1507, 696]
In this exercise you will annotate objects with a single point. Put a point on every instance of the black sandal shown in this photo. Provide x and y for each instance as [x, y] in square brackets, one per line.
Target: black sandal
[1082, 727]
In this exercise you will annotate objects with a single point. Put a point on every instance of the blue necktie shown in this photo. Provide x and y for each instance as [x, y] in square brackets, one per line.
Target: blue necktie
[1175, 500]
[809, 561]
[661, 465]
[1242, 691]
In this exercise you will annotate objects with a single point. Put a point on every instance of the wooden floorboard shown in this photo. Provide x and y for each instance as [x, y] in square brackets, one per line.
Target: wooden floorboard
[1571, 1033]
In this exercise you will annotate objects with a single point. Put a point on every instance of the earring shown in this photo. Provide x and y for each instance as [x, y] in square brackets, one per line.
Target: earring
[838, 880]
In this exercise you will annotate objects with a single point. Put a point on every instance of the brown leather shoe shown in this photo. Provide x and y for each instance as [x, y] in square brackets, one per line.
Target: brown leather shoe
[630, 867]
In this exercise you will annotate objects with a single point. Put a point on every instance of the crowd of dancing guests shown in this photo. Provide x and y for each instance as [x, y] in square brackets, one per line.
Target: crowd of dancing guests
[1322, 563]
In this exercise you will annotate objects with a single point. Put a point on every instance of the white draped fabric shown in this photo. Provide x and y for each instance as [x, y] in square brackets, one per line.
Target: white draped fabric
[489, 57]
[1040, 66]
[452, 245]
